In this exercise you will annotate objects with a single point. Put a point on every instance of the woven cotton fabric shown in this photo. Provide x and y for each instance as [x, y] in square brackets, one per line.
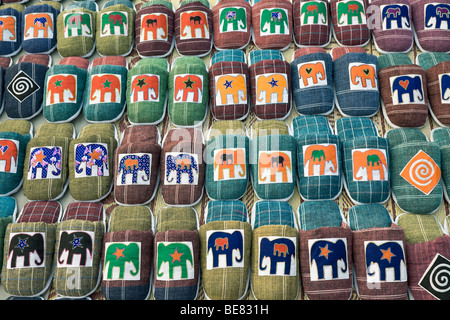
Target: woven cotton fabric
[307, 33]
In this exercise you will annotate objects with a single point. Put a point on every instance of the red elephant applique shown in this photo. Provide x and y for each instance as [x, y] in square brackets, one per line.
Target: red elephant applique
[105, 88]
[8, 155]
[145, 87]
[188, 88]
[194, 25]
[154, 26]
[61, 88]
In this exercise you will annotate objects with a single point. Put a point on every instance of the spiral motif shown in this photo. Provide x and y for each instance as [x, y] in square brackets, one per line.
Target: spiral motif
[421, 172]
[21, 85]
[440, 278]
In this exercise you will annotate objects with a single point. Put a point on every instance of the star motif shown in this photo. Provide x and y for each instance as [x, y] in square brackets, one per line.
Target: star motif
[76, 242]
[107, 84]
[273, 83]
[189, 83]
[227, 84]
[57, 83]
[95, 155]
[22, 244]
[119, 253]
[324, 251]
[387, 254]
[141, 83]
[40, 156]
[176, 256]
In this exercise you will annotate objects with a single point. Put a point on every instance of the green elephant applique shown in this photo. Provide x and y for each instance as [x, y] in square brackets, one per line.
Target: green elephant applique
[350, 9]
[78, 24]
[233, 19]
[314, 12]
[114, 23]
[274, 21]
[175, 261]
[122, 261]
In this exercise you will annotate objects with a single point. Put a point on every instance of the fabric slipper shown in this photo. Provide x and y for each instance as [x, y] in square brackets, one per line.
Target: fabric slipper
[136, 161]
[225, 244]
[30, 244]
[366, 160]
[319, 163]
[312, 81]
[194, 28]
[64, 89]
[155, 29]
[379, 254]
[78, 249]
[355, 77]
[176, 262]
[441, 136]
[229, 85]
[8, 210]
[403, 89]
[11, 40]
[270, 78]
[312, 26]
[106, 86]
[415, 171]
[5, 63]
[91, 157]
[232, 21]
[46, 162]
[128, 254]
[325, 251]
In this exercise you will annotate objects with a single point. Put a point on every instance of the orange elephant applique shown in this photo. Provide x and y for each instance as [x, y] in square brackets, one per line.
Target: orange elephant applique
[369, 165]
[312, 74]
[8, 28]
[274, 167]
[362, 76]
[320, 160]
[61, 88]
[105, 88]
[188, 88]
[272, 88]
[231, 89]
[38, 25]
[194, 25]
[229, 164]
[144, 87]
[154, 27]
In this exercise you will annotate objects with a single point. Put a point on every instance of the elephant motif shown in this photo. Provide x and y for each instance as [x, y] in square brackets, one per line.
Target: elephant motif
[134, 164]
[269, 85]
[194, 20]
[124, 256]
[232, 160]
[314, 70]
[88, 156]
[154, 24]
[61, 88]
[274, 21]
[30, 247]
[386, 255]
[105, 88]
[444, 81]
[181, 164]
[276, 163]
[8, 153]
[8, 28]
[234, 16]
[77, 24]
[38, 22]
[317, 10]
[351, 9]
[438, 13]
[274, 251]
[231, 85]
[145, 87]
[398, 13]
[75, 243]
[328, 253]
[45, 158]
[410, 85]
[229, 243]
[174, 255]
[322, 155]
[368, 161]
[188, 88]
[363, 76]
[114, 23]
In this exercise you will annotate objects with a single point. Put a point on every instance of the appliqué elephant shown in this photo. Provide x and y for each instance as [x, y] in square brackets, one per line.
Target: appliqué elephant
[274, 18]
[89, 155]
[7, 28]
[145, 85]
[350, 9]
[77, 24]
[320, 155]
[274, 84]
[8, 152]
[313, 71]
[175, 255]
[386, 255]
[275, 162]
[63, 86]
[280, 250]
[371, 160]
[110, 20]
[133, 164]
[117, 255]
[195, 20]
[315, 9]
[445, 88]
[30, 247]
[75, 243]
[103, 84]
[224, 243]
[363, 74]
[411, 86]
[44, 158]
[39, 22]
[156, 24]
[398, 13]
[231, 160]
[181, 164]
[440, 12]
[236, 86]
[326, 253]
[188, 84]
[237, 17]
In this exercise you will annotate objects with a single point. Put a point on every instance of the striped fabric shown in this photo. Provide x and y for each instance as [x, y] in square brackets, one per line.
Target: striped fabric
[89, 211]
[36, 211]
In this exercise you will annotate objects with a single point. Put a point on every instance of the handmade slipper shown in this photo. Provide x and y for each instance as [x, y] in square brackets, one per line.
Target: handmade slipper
[155, 29]
[319, 163]
[312, 81]
[312, 25]
[8, 210]
[325, 251]
[275, 270]
[379, 254]
[11, 41]
[225, 238]
[229, 85]
[441, 136]
[128, 254]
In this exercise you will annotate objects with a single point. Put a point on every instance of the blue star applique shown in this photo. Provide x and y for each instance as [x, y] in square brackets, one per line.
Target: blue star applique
[22, 244]
[273, 83]
[76, 242]
[227, 84]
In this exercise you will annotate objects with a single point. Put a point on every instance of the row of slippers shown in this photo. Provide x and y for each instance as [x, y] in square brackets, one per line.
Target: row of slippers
[163, 257]
[157, 28]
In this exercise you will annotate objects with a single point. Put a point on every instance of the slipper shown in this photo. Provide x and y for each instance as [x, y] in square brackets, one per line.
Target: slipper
[312, 25]
[366, 160]
[229, 84]
[176, 262]
[232, 21]
[155, 29]
[319, 162]
[128, 254]
[355, 78]
[415, 171]
[273, 160]
[403, 89]
[227, 162]
[5, 63]
[441, 136]
[78, 249]
[275, 270]
[64, 90]
[325, 251]
[46, 162]
[312, 81]
[194, 28]
[14, 137]
[270, 78]
[379, 254]
[115, 28]
[106, 86]
[136, 161]
[8, 210]
[428, 256]
[226, 238]
[437, 69]
[188, 92]
[182, 167]
[91, 166]
[147, 91]
[30, 248]
[11, 41]
[272, 24]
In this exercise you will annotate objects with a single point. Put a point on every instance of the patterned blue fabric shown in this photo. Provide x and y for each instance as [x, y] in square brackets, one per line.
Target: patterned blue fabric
[233, 210]
[310, 124]
[273, 213]
[366, 216]
[267, 54]
[7, 206]
[316, 214]
[351, 127]
[228, 55]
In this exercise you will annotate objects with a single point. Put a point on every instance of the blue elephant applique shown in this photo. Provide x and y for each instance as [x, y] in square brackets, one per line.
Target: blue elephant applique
[398, 13]
[47, 161]
[89, 156]
[329, 254]
[279, 254]
[179, 164]
[229, 244]
[435, 14]
[137, 165]
[407, 86]
[445, 88]
[386, 256]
